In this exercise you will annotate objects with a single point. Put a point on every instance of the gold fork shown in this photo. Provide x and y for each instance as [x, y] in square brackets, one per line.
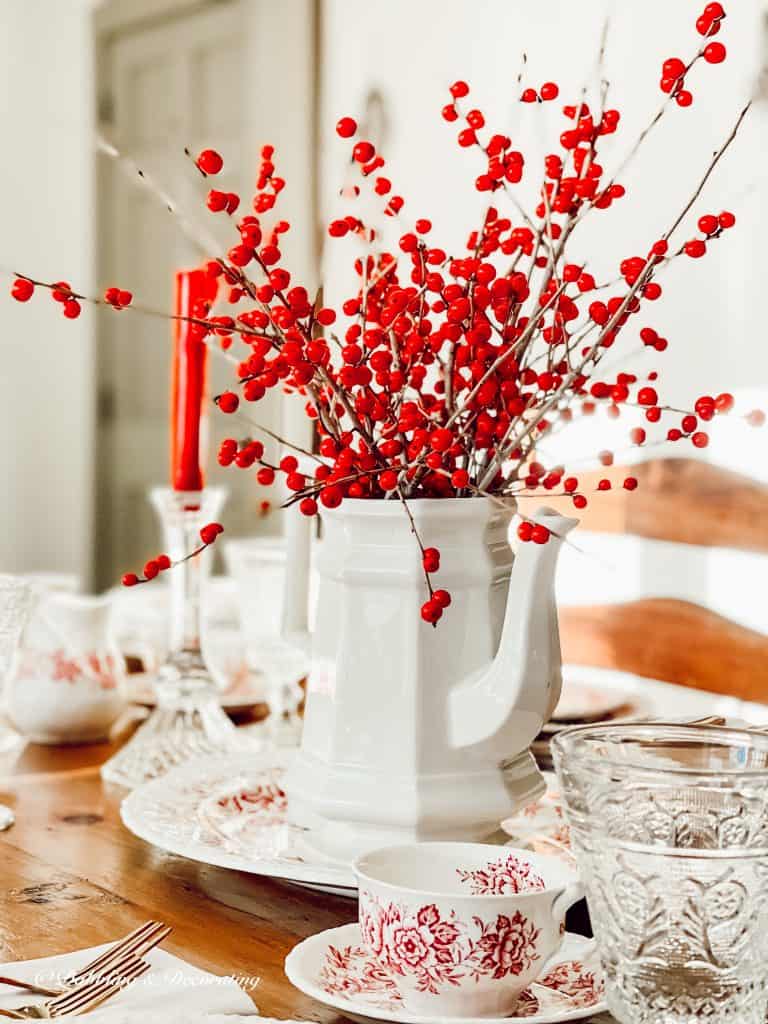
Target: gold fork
[83, 999]
[138, 942]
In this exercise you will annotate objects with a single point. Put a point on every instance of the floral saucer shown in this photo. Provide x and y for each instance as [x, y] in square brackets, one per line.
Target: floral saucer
[333, 968]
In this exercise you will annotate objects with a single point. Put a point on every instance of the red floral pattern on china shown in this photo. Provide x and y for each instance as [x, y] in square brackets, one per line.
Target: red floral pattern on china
[440, 951]
[265, 798]
[502, 877]
[352, 973]
[89, 667]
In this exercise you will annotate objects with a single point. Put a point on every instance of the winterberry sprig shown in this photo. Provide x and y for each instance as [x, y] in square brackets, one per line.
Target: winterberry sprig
[162, 563]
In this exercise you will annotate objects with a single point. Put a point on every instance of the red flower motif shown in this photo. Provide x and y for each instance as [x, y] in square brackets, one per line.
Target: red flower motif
[428, 916]
[572, 979]
[510, 949]
[441, 951]
[445, 933]
[65, 668]
[267, 799]
[408, 947]
[349, 972]
[500, 877]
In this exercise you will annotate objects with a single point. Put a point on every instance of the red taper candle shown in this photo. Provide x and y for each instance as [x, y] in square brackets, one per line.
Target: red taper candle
[194, 288]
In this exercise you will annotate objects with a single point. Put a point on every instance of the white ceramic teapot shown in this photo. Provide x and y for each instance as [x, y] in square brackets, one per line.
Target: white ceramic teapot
[413, 732]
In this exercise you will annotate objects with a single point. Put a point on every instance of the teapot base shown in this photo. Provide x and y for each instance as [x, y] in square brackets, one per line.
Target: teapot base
[350, 810]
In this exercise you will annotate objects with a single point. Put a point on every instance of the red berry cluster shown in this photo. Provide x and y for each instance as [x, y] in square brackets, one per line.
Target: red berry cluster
[118, 298]
[23, 288]
[255, 244]
[505, 164]
[711, 227]
[706, 408]
[674, 70]
[161, 563]
[432, 609]
[243, 455]
[548, 91]
[209, 162]
[152, 568]
[227, 401]
[222, 202]
[246, 454]
[709, 21]
[210, 532]
[536, 532]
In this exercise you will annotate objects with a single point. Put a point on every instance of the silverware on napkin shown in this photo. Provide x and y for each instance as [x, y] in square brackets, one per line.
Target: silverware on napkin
[112, 961]
[82, 999]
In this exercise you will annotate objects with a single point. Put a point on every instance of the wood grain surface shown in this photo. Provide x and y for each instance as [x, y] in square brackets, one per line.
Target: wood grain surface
[72, 876]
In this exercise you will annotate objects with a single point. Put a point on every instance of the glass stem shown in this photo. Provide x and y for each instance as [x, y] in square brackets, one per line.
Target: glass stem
[181, 514]
[186, 579]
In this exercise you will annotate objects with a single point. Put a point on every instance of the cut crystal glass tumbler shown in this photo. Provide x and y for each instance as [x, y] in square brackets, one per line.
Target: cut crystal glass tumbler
[669, 824]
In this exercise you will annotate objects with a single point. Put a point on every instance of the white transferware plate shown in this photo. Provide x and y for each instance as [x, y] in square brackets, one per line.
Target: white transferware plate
[333, 968]
[230, 811]
[591, 694]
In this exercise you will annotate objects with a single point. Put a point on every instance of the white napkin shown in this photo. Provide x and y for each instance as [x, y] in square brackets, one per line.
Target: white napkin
[171, 992]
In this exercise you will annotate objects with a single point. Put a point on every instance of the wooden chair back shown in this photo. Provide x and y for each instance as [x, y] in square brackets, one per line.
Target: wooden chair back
[685, 517]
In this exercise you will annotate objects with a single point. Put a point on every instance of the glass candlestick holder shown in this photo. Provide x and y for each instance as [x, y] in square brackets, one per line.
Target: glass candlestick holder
[259, 566]
[188, 720]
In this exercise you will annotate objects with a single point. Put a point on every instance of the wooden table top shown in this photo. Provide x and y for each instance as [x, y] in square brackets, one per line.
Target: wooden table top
[72, 876]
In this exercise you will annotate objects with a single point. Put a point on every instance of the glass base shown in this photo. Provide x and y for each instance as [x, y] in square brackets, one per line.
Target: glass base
[188, 722]
[7, 817]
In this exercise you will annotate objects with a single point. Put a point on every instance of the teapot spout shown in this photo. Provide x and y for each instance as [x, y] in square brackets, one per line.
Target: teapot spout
[501, 710]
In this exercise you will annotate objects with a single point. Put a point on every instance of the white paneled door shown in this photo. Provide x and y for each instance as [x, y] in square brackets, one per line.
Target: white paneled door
[166, 84]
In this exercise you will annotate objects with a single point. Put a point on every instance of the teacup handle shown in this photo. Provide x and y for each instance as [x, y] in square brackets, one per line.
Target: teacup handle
[571, 894]
[561, 903]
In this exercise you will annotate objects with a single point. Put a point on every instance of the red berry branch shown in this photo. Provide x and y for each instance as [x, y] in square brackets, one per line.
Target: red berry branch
[442, 375]
[161, 563]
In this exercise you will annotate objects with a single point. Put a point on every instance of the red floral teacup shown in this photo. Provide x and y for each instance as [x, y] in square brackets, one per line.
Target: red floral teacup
[464, 927]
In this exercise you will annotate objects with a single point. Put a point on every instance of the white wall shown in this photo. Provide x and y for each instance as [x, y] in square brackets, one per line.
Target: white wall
[46, 205]
[279, 97]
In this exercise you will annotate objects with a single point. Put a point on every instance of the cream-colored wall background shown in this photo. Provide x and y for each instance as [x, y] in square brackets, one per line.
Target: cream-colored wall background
[47, 369]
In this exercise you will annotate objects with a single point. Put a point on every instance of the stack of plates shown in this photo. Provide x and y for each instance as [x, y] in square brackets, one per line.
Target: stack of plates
[585, 698]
